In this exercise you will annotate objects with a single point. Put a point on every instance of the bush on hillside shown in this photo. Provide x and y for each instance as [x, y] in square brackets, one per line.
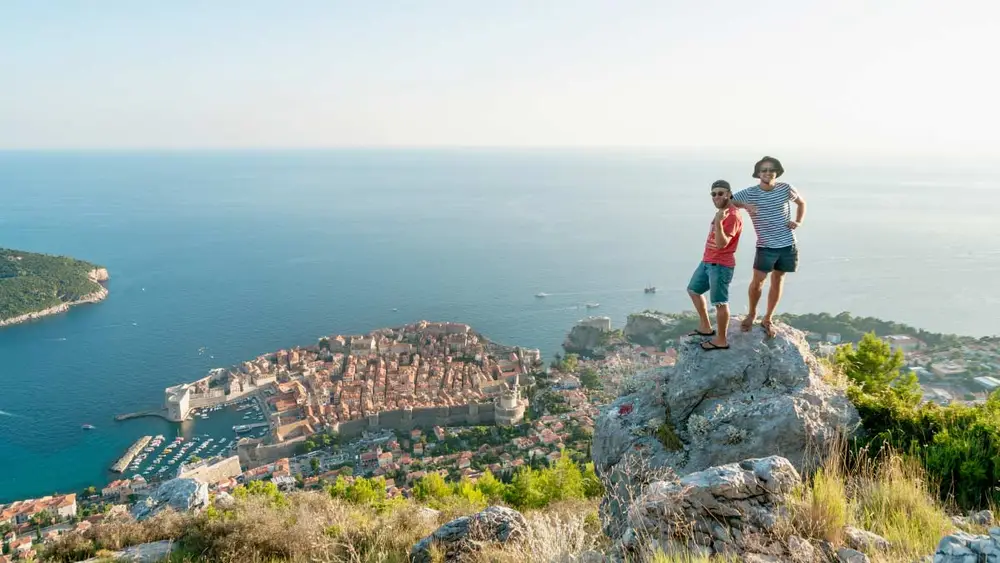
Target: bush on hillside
[956, 444]
[529, 488]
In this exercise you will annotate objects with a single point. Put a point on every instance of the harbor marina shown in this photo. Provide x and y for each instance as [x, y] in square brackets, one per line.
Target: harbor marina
[208, 432]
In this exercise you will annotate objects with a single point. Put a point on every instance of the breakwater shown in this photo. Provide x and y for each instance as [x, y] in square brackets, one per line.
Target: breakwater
[130, 453]
[162, 413]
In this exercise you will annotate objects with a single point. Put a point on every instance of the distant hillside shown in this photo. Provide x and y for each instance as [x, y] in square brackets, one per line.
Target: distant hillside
[34, 285]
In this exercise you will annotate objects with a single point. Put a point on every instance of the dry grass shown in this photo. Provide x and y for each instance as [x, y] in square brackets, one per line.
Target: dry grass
[562, 530]
[888, 495]
[895, 501]
[819, 508]
[833, 375]
[315, 528]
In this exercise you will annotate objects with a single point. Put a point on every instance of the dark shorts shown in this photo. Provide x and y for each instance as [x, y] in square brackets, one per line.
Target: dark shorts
[712, 278]
[784, 259]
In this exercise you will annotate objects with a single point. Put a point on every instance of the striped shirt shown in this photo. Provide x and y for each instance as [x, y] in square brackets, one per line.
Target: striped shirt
[773, 213]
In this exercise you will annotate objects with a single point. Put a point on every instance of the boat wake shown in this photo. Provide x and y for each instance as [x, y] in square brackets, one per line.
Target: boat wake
[12, 415]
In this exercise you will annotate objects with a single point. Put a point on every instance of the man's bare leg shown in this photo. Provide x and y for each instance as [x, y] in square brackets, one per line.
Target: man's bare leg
[721, 321]
[773, 297]
[704, 324]
[756, 289]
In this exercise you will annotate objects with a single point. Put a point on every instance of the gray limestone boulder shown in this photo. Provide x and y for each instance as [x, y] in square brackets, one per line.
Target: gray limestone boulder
[722, 510]
[224, 501]
[982, 518]
[460, 539]
[864, 541]
[848, 555]
[800, 550]
[962, 547]
[181, 495]
[762, 397]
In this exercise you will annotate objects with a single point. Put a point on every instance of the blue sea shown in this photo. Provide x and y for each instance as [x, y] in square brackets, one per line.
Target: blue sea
[216, 257]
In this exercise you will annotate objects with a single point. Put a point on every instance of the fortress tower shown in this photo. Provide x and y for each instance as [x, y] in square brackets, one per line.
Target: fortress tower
[509, 408]
[177, 401]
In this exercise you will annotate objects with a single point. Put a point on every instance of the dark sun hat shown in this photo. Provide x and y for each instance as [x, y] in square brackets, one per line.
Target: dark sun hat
[721, 184]
[772, 160]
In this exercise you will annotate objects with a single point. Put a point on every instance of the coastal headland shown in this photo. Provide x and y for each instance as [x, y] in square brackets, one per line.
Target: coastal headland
[33, 285]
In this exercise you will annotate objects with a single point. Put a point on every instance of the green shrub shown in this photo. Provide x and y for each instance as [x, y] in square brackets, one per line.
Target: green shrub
[958, 445]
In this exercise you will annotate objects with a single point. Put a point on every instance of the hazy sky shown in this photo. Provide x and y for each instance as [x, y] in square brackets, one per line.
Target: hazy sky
[878, 75]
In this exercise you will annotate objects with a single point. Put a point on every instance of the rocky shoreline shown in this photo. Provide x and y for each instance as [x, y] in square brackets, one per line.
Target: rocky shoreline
[97, 275]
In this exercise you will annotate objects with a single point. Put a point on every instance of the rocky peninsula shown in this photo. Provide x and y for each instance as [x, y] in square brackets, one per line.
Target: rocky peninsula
[37, 285]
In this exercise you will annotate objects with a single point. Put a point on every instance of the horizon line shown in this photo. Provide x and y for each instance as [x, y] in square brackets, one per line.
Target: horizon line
[839, 152]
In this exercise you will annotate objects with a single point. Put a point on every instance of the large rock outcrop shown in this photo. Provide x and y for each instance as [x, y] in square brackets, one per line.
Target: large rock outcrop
[728, 509]
[762, 397]
[460, 539]
[182, 495]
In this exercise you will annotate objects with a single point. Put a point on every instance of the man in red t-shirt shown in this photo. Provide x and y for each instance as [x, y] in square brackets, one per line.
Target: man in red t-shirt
[715, 272]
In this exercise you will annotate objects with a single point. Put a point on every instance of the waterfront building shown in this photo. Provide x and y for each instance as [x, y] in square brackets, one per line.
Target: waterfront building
[19, 512]
[178, 402]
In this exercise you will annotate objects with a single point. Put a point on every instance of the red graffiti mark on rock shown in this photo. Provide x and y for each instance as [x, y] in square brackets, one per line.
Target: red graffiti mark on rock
[625, 409]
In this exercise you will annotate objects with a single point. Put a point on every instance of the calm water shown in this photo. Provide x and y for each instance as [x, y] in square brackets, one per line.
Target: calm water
[245, 253]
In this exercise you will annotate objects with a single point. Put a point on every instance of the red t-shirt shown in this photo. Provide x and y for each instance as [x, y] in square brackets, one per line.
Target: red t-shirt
[732, 226]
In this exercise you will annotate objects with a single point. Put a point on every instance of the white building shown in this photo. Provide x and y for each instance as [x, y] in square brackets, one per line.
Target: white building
[944, 369]
[990, 383]
[903, 343]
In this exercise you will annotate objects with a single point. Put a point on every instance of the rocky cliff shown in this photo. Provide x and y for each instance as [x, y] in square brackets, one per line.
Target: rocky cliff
[762, 397]
[647, 328]
[98, 275]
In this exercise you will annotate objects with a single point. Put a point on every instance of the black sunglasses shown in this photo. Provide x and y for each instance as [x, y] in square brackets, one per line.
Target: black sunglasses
[719, 194]
[766, 170]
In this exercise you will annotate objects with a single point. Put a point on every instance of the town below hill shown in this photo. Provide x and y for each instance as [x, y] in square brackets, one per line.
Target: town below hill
[35, 285]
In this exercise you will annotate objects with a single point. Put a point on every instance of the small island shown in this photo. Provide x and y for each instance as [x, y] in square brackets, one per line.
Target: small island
[35, 285]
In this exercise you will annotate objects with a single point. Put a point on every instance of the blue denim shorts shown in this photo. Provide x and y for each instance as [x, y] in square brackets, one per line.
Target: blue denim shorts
[714, 279]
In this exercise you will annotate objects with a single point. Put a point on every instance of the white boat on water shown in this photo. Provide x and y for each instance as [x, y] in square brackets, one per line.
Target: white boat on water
[541, 295]
[593, 305]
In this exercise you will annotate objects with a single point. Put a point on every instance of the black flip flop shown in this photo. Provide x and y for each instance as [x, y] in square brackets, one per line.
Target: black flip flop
[697, 332]
[708, 346]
